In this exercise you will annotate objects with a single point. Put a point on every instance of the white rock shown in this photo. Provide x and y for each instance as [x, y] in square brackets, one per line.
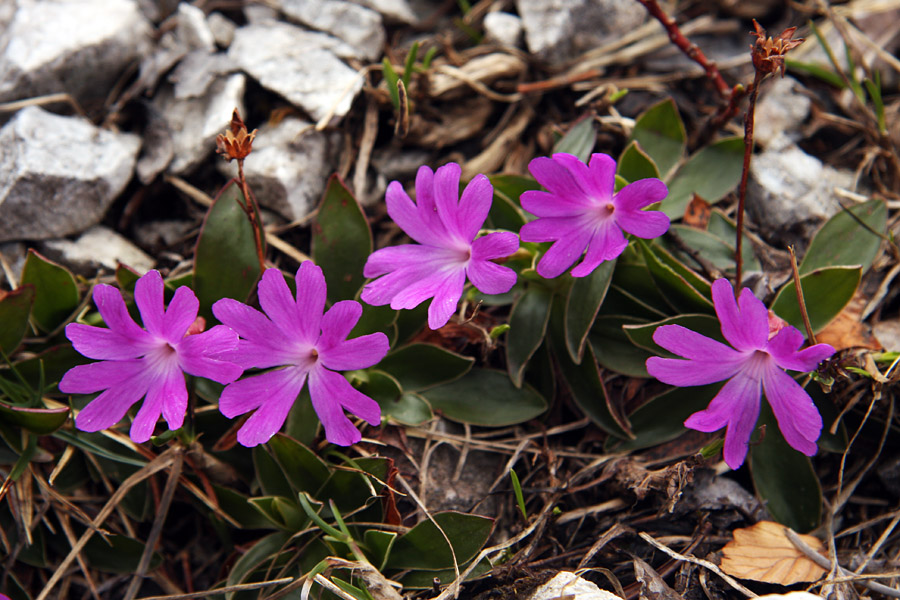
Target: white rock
[97, 247]
[58, 175]
[393, 10]
[566, 584]
[14, 254]
[289, 166]
[192, 29]
[222, 28]
[779, 114]
[197, 71]
[791, 192]
[503, 28]
[300, 65]
[360, 27]
[195, 122]
[260, 13]
[75, 46]
[560, 30]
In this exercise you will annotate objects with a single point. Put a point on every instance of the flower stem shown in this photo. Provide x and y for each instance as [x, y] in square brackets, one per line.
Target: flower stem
[745, 173]
[799, 289]
[252, 211]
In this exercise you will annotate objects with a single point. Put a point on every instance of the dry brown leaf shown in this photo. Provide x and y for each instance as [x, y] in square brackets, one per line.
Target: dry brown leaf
[846, 330]
[764, 553]
[697, 213]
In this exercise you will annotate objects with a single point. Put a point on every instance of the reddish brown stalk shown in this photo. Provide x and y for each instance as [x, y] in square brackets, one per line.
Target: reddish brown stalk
[745, 172]
[690, 49]
[252, 211]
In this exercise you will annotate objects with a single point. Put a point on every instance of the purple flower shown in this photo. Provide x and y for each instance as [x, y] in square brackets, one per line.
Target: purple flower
[305, 344]
[135, 362]
[580, 211]
[755, 363]
[445, 226]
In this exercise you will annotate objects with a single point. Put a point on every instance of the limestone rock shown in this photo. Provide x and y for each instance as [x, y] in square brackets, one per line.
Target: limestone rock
[393, 10]
[780, 113]
[59, 175]
[192, 29]
[289, 166]
[98, 247]
[503, 28]
[222, 28]
[560, 30]
[75, 46]
[566, 584]
[303, 66]
[359, 27]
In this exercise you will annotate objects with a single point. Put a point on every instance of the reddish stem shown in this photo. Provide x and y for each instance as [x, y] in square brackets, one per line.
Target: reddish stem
[690, 49]
[745, 173]
[252, 211]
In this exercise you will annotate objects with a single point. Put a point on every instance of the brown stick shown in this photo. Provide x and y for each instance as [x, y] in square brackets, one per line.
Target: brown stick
[745, 172]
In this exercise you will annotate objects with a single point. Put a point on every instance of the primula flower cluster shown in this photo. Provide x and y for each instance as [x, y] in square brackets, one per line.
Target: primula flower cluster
[295, 342]
[754, 363]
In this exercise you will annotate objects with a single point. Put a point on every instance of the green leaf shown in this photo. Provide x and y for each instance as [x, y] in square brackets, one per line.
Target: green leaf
[420, 366]
[718, 251]
[15, 306]
[826, 292]
[784, 478]
[379, 545]
[424, 579]
[272, 479]
[710, 173]
[97, 445]
[583, 380]
[238, 507]
[425, 547]
[408, 408]
[354, 485]
[127, 278]
[305, 471]
[266, 550]
[342, 241]
[614, 350]
[527, 326]
[488, 398]
[635, 164]
[55, 291]
[676, 285]
[117, 554]
[848, 238]
[579, 140]
[36, 420]
[661, 419]
[225, 262]
[506, 212]
[642, 335]
[376, 319]
[582, 305]
[660, 132]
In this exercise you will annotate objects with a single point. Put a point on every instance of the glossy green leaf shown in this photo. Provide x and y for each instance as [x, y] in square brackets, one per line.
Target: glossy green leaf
[582, 305]
[716, 250]
[486, 397]
[265, 551]
[98, 446]
[272, 479]
[847, 238]
[305, 471]
[711, 173]
[527, 326]
[506, 212]
[238, 507]
[126, 278]
[379, 545]
[661, 419]
[424, 579]
[420, 366]
[15, 306]
[355, 485]
[614, 350]
[36, 420]
[635, 164]
[642, 335]
[579, 140]
[225, 262]
[408, 408]
[675, 286]
[425, 547]
[55, 291]
[376, 319]
[583, 380]
[784, 478]
[826, 292]
[342, 241]
[117, 554]
[660, 132]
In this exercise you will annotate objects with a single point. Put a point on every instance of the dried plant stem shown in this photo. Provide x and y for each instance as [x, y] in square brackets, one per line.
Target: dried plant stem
[745, 173]
[250, 207]
[690, 49]
[799, 289]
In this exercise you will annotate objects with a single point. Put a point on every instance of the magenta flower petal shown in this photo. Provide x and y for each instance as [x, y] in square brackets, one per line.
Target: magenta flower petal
[149, 364]
[331, 394]
[755, 365]
[639, 194]
[311, 345]
[445, 225]
[606, 244]
[581, 211]
[796, 413]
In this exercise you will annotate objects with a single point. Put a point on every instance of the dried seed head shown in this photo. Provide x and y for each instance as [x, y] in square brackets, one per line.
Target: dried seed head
[768, 53]
[235, 143]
